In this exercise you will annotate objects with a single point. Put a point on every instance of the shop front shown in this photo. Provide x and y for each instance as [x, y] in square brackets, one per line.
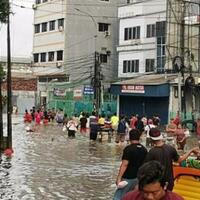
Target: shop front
[145, 99]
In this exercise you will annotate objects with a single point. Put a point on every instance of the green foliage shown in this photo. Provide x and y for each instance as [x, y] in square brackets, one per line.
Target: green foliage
[4, 10]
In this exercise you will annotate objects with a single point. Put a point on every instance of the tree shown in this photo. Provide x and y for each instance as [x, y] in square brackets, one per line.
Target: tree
[4, 10]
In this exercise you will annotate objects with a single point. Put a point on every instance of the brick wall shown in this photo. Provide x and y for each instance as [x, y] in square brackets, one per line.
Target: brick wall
[22, 84]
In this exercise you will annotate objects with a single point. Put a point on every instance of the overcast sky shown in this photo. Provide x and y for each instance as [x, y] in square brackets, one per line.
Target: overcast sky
[21, 30]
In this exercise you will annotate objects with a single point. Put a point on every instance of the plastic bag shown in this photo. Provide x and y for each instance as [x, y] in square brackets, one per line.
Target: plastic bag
[64, 128]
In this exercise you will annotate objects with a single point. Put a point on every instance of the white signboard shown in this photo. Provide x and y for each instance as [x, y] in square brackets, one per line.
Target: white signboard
[132, 89]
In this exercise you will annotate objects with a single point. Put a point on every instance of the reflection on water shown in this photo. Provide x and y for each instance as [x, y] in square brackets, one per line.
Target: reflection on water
[47, 165]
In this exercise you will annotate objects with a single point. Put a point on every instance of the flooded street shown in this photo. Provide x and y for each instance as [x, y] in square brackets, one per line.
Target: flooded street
[47, 165]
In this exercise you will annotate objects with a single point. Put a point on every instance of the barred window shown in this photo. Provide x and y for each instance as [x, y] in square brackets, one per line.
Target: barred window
[52, 25]
[51, 56]
[37, 28]
[60, 23]
[132, 33]
[103, 27]
[130, 66]
[44, 27]
[150, 65]
[151, 30]
[36, 57]
[43, 57]
[60, 55]
[103, 58]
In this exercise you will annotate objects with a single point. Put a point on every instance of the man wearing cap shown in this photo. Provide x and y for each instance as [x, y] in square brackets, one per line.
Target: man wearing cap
[133, 157]
[166, 155]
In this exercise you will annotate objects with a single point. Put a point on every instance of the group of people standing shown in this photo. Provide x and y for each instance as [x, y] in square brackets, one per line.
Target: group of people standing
[138, 173]
[144, 173]
[122, 125]
[42, 116]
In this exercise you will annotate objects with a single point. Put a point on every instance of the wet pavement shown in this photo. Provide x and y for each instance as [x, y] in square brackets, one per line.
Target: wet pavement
[46, 165]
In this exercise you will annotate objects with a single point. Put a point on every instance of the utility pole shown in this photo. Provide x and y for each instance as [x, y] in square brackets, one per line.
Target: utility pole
[2, 76]
[97, 83]
[1, 114]
[9, 89]
[199, 46]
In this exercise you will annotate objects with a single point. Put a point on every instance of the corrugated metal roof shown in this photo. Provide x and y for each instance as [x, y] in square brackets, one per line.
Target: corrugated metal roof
[151, 79]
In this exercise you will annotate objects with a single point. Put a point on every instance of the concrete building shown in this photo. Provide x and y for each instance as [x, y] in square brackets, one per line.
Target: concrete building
[69, 37]
[149, 41]
[183, 41]
[141, 53]
[138, 41]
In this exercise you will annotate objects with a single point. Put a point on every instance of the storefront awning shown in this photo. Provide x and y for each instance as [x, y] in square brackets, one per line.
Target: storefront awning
[156, 85]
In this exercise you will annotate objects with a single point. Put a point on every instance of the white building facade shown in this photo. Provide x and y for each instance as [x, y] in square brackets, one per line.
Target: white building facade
[69, 37]
[148, 34]
[137, 37]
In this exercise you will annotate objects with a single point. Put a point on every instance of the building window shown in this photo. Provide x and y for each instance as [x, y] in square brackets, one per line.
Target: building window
[61, 23]
[103, 58]
[151, 30]
[104, 0]
[38, 1]
[36, 57]
[103, 27]
[43, 57]
[60, 55]
[45, 1]
[150, 64]
[44, 27]
[51, 56]
[37, 28]
[130, 66]
[52, 25]
[132, 33]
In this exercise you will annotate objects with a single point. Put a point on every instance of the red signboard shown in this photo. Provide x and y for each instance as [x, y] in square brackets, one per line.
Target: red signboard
[132, 89]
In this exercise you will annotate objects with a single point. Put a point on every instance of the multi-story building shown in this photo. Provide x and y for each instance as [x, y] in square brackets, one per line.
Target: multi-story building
[141, 53]
[48, 44]
[183, 42]
[141, 45]
[152, 34]
[75, 42]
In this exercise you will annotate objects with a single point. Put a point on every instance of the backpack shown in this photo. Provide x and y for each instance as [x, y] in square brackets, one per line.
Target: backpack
[59, 119]
[121, 127]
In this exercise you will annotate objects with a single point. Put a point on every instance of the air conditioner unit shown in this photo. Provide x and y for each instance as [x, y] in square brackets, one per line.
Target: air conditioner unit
[60, 28]
[34, 6]
[58, 64]
[107, 33]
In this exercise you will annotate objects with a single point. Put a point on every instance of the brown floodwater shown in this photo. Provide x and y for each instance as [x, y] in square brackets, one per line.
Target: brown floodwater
[46, 165]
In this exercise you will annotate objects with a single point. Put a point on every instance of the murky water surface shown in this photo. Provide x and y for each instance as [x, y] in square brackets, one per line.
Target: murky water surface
[48, 166]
